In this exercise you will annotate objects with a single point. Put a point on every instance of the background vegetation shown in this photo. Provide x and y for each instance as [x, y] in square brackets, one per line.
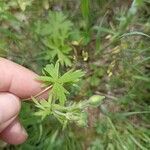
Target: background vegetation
[110, 41]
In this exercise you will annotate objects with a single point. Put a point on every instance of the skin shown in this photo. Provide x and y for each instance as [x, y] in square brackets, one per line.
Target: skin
[16, 83]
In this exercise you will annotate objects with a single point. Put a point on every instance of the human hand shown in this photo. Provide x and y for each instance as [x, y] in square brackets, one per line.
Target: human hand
[16, 82]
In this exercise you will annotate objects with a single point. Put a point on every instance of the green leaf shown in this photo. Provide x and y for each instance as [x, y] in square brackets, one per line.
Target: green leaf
[64, 59]
[24, 3]
[85, 9]
[57, 26]
[44, 107]
[37, 104]
[71, 76]
[60, 92]
[51, 76]
[52, 70]
[46, 79]
[135, 33]
[56, 32]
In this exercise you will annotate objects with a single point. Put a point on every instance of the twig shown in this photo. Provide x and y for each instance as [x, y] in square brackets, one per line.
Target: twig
[40, 93]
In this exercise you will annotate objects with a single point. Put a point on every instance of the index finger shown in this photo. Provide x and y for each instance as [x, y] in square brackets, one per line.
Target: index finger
[18, 80]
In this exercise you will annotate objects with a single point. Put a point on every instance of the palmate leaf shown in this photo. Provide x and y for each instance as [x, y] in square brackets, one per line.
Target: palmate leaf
[57, 26]
[58, 51]
[52, 70]
[46, 79]
[44, 107]
[71, 76]
[60, 25]
[55, 32]
[60, 92]
[51, 76]
[64, 59]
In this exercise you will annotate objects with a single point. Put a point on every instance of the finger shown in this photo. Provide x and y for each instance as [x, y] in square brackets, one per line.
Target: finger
[17, 79]
[9, 106]
[6, 124]
[14, 134]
